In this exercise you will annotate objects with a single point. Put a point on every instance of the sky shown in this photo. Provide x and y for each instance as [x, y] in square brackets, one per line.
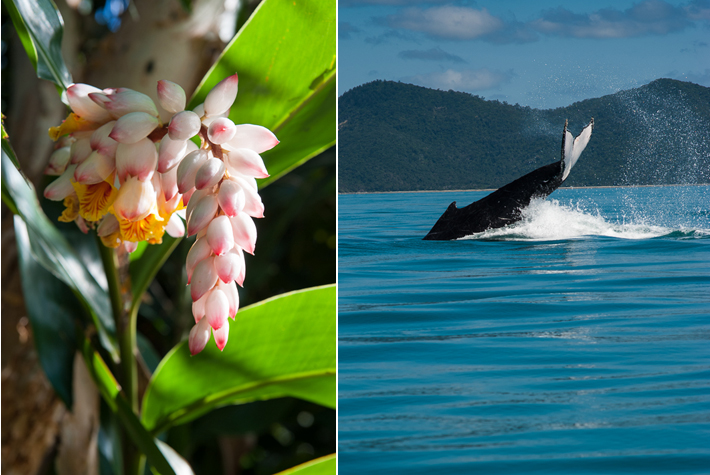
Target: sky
[541, 53]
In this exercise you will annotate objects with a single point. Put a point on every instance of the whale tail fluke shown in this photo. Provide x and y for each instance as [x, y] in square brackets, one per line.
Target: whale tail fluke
[572, 147]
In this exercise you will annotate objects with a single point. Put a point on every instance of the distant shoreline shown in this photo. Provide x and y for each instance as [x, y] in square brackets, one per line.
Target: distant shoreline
[493, 189]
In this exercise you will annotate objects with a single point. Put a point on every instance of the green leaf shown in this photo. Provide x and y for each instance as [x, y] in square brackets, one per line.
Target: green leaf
[178, 463]
[54, 253]
[320, 466]
[287, 82]
[284, 346]
[111, 392]
[40, 27]
[51, 308]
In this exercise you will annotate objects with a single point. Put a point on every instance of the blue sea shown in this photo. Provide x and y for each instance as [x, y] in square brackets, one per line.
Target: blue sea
[576, 341]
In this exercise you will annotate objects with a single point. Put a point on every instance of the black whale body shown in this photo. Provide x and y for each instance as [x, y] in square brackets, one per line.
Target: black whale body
[504, 206]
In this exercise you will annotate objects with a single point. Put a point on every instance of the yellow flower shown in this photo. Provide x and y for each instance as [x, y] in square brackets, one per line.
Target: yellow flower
[150, 228]
[71, 124]
[95, 200]
[71, 212]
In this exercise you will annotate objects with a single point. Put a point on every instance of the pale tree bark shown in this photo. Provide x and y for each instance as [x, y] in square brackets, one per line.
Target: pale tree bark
[157, 40]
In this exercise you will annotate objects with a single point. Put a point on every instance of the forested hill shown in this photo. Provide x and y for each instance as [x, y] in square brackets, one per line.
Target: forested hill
[395, 137]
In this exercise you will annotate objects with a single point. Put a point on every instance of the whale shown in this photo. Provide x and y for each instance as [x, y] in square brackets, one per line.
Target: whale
[505, 206]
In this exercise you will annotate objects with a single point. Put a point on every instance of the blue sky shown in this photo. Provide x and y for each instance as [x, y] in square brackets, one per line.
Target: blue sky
[543, 54]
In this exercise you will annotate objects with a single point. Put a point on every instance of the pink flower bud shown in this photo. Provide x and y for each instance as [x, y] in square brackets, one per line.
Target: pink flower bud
[108, 226]
[252, 201]
[228, 267]
[203, 278]
[171, 96]
[95, 169]
[221, 130]
[124, 102]
[80, 151]
[217, 309]
[184, 125]
[133, 127]
[199, 251]
[170, 153]
[194, 199]
[204, 211]
[101, 98]
[83, 106]
[244, 232]
[168, 181]
[58, 161]
[220, 235]
[245, 181]
[242, 266]
[231, 198]
[221, 335]
[187, 195]
[130, 246]
[101, 142]
[254, 137]
[175, 226]
[209, 173]
[230, 291]
[187, 170]
[222, 96]
[61, 187]
[247, 162]
[135, 199]
[137, 159]
[198, 307]
[199, 336]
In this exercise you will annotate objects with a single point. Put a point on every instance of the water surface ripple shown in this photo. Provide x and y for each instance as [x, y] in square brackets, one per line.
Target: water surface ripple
[575, 341]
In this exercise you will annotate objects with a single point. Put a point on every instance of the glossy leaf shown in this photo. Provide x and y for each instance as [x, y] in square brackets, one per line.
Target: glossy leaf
[110, 390]
[177, 463]
[287, 83]
[51, 308]
[320, 466]
[284, 346]
[54, 253]
[40, 28]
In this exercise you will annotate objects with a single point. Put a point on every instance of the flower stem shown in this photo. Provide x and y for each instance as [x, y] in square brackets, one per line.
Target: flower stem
[126, 332]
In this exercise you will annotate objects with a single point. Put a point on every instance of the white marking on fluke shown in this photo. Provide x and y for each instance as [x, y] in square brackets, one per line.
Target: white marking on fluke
[572, 148]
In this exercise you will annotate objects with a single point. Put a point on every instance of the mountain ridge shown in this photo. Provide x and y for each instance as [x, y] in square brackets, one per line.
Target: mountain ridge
[400, 137]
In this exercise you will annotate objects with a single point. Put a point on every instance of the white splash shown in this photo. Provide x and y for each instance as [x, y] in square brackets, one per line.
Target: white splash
[548, 220]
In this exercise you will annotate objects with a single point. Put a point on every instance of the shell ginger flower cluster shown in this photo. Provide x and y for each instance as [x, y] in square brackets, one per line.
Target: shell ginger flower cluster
[124, 173]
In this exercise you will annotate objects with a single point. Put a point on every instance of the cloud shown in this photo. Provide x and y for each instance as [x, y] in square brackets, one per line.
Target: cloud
[459, 23]
[362, 3]
[345, 29]
[434, 54]
[389, 35]
[649, 17]
[696, 46]
[451, 22]
[698, 10]
[471, 80]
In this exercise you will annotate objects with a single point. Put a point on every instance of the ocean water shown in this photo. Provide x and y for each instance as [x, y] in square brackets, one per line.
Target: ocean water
[576, 341]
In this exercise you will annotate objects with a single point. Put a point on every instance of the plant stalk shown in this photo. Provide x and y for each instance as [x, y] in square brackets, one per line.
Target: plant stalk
[126, 331]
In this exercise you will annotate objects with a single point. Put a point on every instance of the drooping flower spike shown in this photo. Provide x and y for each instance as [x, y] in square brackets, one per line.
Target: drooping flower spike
[124, 173]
